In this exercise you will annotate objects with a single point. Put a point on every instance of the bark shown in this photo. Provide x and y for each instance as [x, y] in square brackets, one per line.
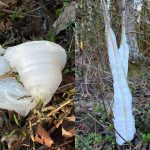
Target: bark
[130, 22]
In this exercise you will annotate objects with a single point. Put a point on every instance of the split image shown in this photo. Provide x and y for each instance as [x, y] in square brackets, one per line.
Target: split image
[74, 75]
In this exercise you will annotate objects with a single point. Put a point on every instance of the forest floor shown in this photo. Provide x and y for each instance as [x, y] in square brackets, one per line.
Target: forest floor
[53, 126]
[94, 95]
[94, 127]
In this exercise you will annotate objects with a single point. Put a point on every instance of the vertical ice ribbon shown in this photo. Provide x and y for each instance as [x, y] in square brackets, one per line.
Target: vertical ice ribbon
[122, 108]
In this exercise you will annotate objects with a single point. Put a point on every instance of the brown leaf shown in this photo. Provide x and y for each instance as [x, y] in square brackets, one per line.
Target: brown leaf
[8, 3]
[17, 145]
[59, 123]
[5, 25]
[1, 121]
[2, 26]
[68, 129]
[67, 16]
[3, 5]
[71, 118]
[10, 140]
[42, 137]
[68, 134]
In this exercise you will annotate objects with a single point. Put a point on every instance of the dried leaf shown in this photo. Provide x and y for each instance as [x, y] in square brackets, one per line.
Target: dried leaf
[68, 129]
[7, 3]
[5, 25]
[1, 121]
[59, 123]
[10, 140]
[17, 145]
[68, 134]
[3, 5]
[71, 118]
[42, 137]
[66, 17]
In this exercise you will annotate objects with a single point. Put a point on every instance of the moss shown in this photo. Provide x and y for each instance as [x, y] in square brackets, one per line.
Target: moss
[134, 70]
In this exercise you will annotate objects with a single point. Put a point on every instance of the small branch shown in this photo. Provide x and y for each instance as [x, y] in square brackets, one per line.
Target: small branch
[11, 12]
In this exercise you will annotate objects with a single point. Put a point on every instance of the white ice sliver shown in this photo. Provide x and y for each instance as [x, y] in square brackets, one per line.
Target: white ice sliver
[12, 93]
[122, 107]
[13, 97]
[124, 122]
[4, 66]
[39, 65]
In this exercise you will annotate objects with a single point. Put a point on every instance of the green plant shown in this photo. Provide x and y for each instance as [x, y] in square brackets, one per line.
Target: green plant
[15, 15]
[16, 120]
[94, 138]
[98, 109]
[146, 137]
[12, 132]
[66, 2]
[81, 143]
[109, 139]
[86, 142]
[68, 70]
[58, 11]
[50, 36]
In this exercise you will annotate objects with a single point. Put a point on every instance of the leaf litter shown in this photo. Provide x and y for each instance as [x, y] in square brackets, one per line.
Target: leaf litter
[21, 21]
